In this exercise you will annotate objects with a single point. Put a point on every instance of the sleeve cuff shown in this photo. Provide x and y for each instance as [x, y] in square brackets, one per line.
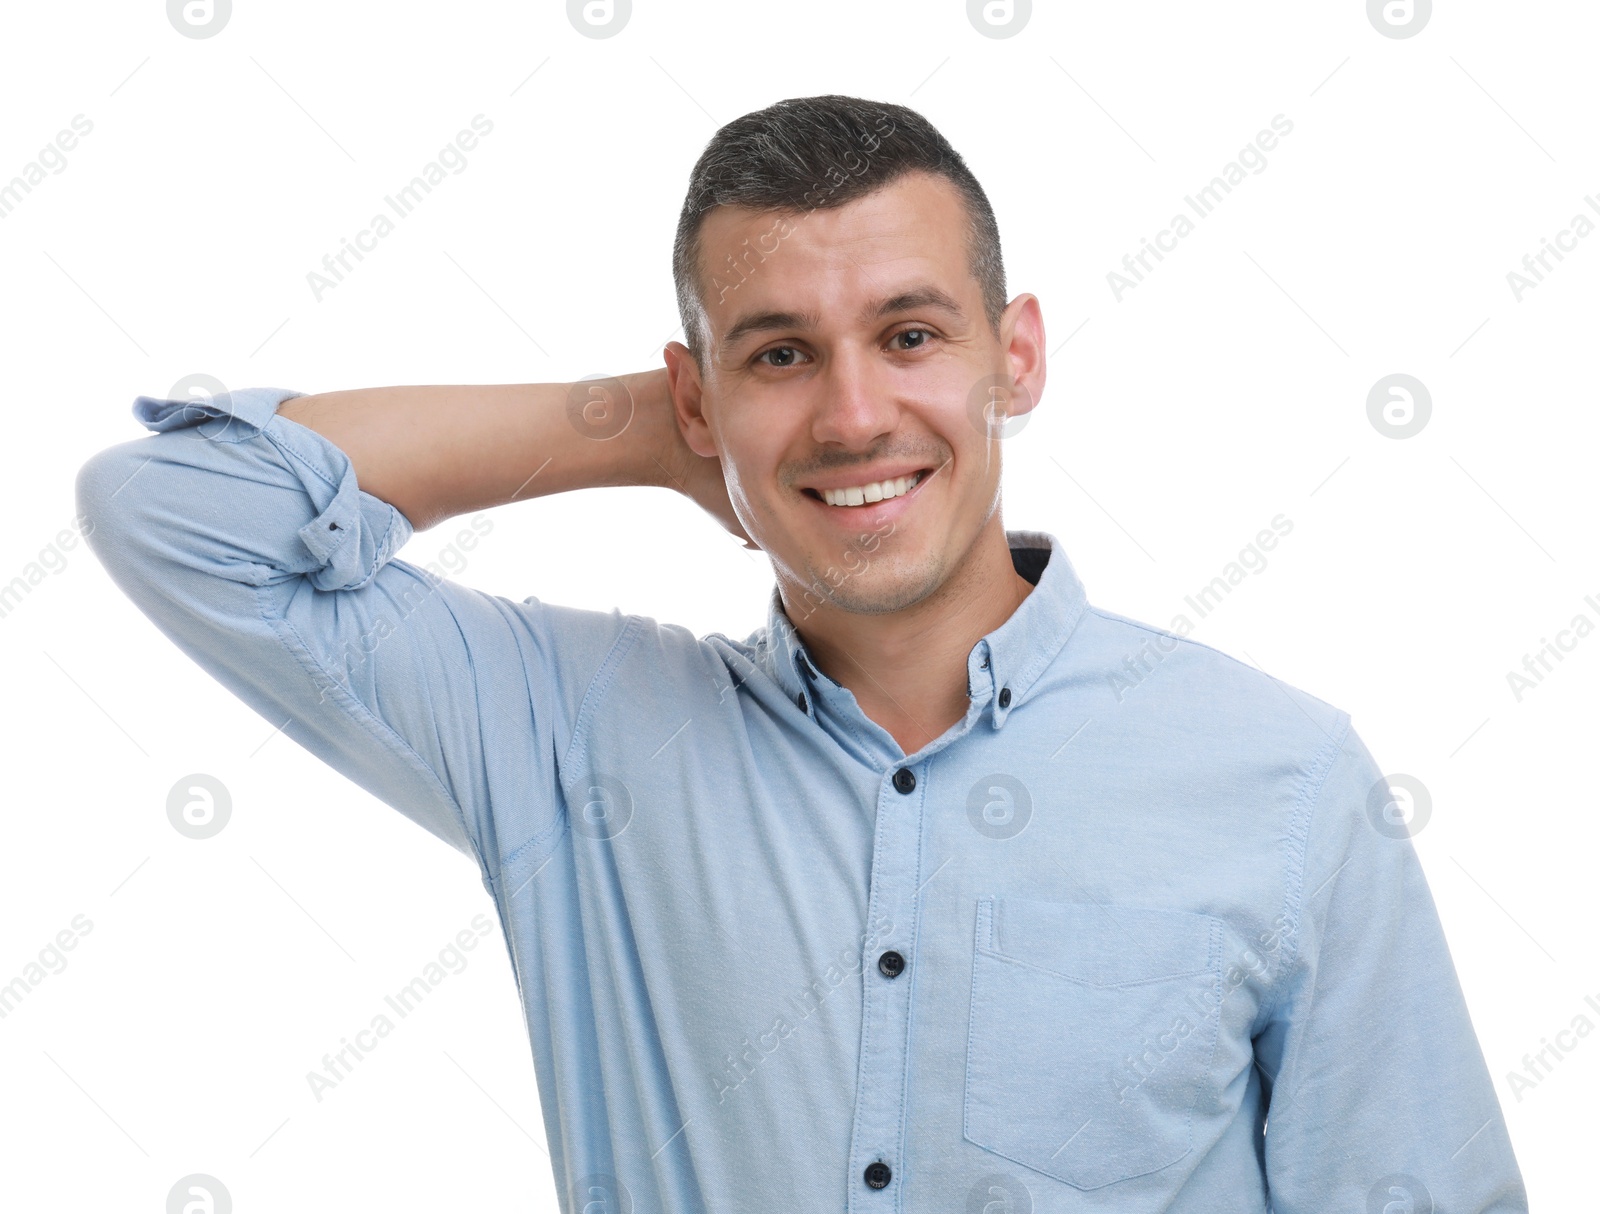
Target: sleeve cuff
[351, 534]
[250, 409]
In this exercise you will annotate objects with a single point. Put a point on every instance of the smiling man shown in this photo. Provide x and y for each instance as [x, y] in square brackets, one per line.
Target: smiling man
[835, 382]
[906, 902]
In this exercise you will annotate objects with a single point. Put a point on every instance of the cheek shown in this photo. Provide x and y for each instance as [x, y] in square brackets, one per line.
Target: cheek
[750, 460]
[750, 497]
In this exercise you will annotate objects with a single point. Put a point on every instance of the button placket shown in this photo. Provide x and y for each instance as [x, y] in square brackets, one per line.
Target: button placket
[876, 1136]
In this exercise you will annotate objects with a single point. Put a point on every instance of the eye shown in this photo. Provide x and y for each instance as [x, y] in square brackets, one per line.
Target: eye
[777, 350]
[787, 356]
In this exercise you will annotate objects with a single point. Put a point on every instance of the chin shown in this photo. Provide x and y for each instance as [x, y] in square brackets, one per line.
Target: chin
[874, 586]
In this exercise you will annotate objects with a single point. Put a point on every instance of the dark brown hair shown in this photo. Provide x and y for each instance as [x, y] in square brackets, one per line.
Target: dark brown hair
[809, 152]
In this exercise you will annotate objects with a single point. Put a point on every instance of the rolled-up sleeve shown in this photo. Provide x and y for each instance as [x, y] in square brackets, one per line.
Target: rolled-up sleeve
[1379, 1097]
[245, 539]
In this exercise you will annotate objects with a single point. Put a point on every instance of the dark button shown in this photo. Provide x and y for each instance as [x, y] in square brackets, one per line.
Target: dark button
[333, 526]
[805, 666]
[877, 1174]
[905, 780]
[801, 700]
[891, 964]
[1005, 697]
[984, 665]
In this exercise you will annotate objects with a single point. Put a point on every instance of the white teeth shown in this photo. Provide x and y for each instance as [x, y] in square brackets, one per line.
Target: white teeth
[878, 491]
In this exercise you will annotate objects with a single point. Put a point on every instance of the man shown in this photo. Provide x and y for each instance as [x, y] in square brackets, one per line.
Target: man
[942, 891]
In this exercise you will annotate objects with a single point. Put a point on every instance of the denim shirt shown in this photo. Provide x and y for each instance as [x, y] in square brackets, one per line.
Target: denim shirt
[1068, 956]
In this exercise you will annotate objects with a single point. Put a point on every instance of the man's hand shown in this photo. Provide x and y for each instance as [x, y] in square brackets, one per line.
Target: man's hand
[697, 477]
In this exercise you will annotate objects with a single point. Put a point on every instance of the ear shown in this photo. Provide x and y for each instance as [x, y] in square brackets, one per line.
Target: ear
[1022, 338]
[683, 381]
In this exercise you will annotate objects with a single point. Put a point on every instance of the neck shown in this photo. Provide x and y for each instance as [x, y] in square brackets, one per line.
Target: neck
[908, 669]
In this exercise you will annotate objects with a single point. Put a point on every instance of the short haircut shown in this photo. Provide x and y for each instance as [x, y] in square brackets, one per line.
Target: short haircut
[808, 152]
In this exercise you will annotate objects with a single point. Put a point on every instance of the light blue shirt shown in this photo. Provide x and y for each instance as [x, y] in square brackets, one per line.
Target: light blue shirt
[1066, 957]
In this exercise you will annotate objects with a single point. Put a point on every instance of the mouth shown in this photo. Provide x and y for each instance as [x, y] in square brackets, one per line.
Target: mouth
[874, 502]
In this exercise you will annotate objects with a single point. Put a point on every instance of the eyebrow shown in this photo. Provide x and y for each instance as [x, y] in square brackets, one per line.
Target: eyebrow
[923, 296]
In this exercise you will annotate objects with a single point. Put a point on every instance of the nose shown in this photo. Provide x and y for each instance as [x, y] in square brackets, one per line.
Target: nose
[855, 408]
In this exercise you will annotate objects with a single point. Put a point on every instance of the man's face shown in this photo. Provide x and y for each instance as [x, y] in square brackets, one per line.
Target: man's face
[849, 349]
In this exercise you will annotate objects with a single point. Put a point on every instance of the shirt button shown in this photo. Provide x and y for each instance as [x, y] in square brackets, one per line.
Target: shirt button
[1005, 697]
[891, 964]
[984, 665]
[905, 780]
[801, 700]
[877, 1174]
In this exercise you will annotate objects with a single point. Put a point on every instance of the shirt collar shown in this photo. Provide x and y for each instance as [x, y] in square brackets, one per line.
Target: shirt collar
[1009, 659]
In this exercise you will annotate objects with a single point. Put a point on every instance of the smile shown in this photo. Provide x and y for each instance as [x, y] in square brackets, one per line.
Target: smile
[872, 491]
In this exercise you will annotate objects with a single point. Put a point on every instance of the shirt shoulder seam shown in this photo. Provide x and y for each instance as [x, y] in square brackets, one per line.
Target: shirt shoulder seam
[1294, 876]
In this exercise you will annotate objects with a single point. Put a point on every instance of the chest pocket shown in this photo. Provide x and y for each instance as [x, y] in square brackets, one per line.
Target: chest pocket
[1088, 1042]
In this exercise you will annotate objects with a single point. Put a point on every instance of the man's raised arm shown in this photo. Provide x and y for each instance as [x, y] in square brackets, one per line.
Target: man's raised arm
[437, 451]
[258, 532]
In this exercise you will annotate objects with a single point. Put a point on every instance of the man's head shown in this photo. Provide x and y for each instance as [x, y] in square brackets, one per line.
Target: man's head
[840, 280]
[808, 153]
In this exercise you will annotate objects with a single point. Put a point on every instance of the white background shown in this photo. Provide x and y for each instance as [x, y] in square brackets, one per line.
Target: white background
[1227, 388]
